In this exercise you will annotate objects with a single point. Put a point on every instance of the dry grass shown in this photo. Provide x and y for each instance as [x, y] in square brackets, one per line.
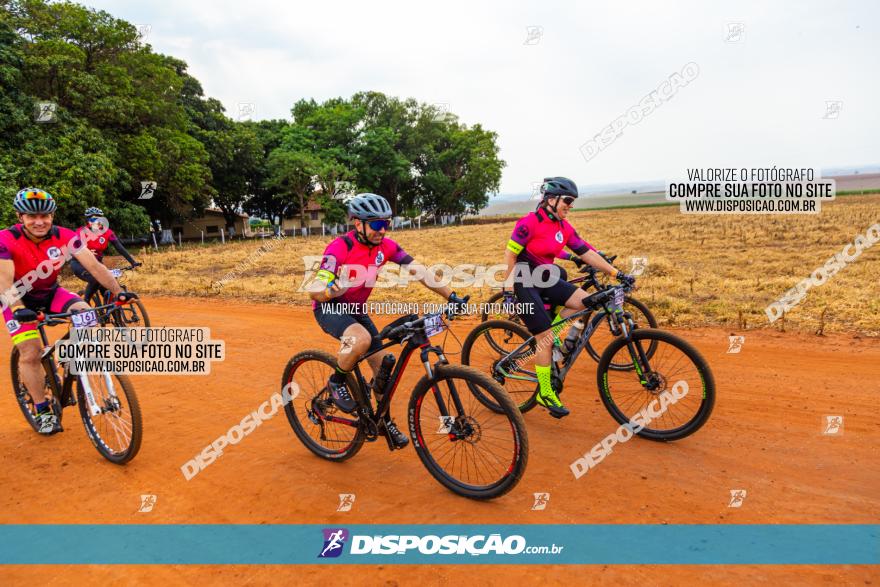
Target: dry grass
[702, 269]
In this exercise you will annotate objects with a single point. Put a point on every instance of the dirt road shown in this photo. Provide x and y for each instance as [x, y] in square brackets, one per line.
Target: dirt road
[765, 436]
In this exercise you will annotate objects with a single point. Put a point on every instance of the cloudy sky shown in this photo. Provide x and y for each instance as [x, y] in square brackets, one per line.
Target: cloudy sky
[766, 73]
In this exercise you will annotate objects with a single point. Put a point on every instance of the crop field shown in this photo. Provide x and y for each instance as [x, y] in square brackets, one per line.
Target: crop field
[702, 269]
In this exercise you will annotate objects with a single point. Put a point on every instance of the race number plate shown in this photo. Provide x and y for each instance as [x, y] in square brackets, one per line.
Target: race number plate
[117, 273]
[434, 325]
[84, 319]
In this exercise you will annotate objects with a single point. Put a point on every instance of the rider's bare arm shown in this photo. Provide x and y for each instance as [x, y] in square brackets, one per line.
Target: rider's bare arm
[596, 261]
[98, 270]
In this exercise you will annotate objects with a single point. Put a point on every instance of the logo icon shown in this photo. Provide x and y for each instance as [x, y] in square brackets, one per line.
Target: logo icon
[143, 30]
[346, 500]
[148, 188]
[379, 258]
[246, 110]
[736, 32]
[736, 343]
[334, 540]
[737, 497]
[13, 325]
[53, 252]
[102, 240]
[639, 265]
[446, 423]
[147, 503]
[533, 35]
[833, 426]
[347, 344]
[441, 112]
[46, 112]
[832, 109]
[559, 236]
[541, 500]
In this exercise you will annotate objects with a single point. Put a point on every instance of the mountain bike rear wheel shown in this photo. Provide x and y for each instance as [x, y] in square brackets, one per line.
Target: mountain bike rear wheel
[318, 423]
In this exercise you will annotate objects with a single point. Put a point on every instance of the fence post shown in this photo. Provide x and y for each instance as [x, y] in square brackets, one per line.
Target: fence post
[203, 236]
[223, 235]
[180, 239]
[155, 244]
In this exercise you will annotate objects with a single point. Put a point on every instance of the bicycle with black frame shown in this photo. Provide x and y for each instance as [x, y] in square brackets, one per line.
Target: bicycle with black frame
[472, 450]
[601, 338]
[108, 405]
[629, 377]
[128, 316]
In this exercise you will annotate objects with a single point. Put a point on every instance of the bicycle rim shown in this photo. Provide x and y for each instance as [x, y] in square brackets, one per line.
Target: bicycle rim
[484, 350]
[479, 452]
[317, 422]
[675, 367]
[116, 429]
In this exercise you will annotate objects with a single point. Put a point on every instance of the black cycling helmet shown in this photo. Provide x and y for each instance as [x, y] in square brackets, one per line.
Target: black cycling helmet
[93, 212]
[369, 207]
[559, 186]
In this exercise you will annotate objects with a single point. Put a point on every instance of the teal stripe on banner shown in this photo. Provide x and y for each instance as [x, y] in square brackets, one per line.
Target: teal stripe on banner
[466, 544]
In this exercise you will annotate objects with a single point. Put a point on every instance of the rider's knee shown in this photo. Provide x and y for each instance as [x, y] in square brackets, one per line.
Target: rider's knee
[29, 352]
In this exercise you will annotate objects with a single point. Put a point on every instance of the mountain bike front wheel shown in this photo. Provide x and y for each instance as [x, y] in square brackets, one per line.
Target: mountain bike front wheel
[664, 397]
[470, 449]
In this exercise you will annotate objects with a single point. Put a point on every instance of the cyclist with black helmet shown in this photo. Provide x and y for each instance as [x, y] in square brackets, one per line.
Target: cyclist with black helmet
[537, 239]
[355, 258]
[32, 253]
[97, 225]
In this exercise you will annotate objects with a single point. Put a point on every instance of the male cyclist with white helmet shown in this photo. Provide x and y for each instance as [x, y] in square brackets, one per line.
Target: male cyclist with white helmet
[355, 258]
[31, 256]
[96, 223]
[537, 239]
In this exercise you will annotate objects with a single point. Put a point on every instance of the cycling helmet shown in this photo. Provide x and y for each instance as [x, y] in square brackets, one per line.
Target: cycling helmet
[92, 211]
[559, 186]
[369, 207]
[34, 201]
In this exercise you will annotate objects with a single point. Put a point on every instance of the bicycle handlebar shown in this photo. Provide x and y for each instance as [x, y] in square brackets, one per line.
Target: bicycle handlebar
[411, 325]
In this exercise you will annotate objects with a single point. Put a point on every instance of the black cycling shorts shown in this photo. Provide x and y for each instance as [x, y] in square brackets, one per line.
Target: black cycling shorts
[534, 298]
[335, 324]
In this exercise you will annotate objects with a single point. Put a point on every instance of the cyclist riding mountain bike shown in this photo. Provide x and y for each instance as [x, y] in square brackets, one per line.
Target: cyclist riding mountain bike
[537, 239]
[98, 246]
[31, 256]
[355, 258]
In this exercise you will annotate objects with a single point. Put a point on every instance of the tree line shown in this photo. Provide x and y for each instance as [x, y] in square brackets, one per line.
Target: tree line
[121, 114]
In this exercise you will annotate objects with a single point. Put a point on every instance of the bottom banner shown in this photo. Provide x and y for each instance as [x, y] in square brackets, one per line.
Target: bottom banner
[440, 544]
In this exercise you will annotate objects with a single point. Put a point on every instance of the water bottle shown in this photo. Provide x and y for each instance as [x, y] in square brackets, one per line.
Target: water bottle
[384, 373]
[571, 340]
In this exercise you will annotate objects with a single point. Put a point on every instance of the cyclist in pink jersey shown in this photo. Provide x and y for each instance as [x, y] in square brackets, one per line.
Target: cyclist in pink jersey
[355, 258]
[31, 256]
[538, 238]
[96, 224]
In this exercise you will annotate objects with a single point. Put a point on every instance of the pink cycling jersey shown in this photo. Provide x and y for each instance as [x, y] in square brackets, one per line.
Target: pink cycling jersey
[97, 244]
[357, 265]
[538, 239]
[28, 255]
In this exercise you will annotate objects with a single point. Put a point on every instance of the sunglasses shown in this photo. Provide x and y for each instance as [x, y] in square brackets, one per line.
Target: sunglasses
[569, 200]
[379, 224]
[94, 218]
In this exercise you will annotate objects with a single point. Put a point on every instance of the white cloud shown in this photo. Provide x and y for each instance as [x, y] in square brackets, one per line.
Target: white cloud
[757, 102]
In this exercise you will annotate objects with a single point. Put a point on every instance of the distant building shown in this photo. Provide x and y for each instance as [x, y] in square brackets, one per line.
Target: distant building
[210, 223]
[314, 219]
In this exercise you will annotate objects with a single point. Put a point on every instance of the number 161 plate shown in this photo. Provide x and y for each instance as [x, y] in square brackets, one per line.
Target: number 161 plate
[85, 319]
[434, 325]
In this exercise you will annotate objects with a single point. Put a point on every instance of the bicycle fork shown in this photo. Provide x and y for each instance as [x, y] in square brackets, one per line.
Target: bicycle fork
[450, 424]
